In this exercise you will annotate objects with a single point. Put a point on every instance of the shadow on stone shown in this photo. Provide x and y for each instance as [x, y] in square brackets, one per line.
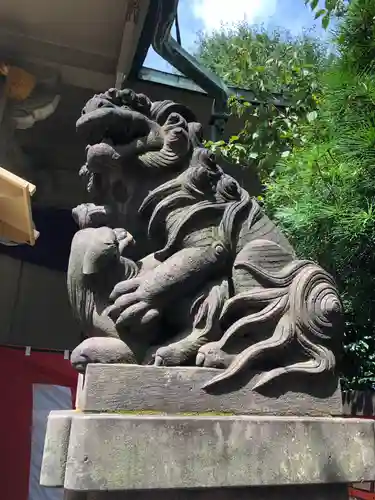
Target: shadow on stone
[324, 386]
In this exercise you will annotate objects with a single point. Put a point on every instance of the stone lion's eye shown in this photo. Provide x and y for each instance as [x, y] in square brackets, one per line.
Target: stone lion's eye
[219, 248]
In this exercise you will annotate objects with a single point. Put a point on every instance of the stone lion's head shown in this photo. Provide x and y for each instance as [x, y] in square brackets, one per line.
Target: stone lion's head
[126, 130]
[134, 145]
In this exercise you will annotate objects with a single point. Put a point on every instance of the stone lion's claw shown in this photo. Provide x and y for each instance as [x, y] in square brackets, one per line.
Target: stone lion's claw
[158, 361]
[199, 360]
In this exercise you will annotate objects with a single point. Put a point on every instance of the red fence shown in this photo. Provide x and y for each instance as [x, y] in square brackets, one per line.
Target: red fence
[360, 491]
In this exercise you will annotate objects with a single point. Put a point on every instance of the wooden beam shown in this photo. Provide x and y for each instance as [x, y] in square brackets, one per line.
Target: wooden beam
[16, 222]
[134, 21]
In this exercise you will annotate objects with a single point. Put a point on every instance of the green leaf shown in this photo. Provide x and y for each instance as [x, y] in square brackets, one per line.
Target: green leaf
[314, 4]
[253, 155]
[311, 116]
[331, 4]
[285, 154]
[325, 21]
[320, 13]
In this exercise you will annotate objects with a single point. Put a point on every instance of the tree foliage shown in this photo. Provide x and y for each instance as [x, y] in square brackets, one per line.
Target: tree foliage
[322, 189]
[282, 73]
[324, 193]
[331, 9]
[356, 36]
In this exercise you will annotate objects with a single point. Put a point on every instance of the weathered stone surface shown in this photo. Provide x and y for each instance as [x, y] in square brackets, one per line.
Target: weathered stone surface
[79, 391]
[179, 390]
[176, 260]
[122, 452]
[307, 492]
[56, 447]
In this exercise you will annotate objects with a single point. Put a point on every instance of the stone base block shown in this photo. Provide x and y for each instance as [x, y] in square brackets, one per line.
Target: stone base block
[310, 492]
[115, 452]
[174, 390]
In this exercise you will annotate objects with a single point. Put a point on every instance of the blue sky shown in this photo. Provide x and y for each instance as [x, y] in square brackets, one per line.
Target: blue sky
[206, 15]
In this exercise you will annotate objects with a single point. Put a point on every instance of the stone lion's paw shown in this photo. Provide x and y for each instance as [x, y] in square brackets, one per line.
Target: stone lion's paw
[100, 350]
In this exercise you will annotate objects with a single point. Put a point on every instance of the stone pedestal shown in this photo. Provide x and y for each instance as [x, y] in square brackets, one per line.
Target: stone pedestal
[147, 432]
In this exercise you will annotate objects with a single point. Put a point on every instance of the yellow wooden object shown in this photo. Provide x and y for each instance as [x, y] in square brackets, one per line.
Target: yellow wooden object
[16, 223]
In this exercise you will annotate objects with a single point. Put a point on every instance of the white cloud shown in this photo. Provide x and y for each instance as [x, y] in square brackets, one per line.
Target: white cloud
[215, 13]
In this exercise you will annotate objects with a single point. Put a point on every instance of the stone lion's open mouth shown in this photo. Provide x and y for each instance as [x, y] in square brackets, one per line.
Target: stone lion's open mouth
[120, 126]
[117, 134]
[120, 136]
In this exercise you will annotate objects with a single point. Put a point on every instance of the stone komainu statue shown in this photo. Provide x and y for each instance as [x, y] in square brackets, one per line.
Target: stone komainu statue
[175, 264]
